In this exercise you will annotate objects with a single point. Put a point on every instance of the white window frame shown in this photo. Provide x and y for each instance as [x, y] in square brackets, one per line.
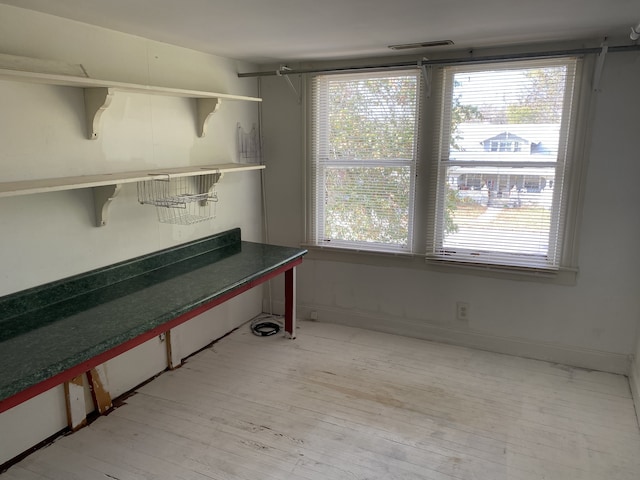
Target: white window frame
[320, 162]
[563, 222]
[424, 211]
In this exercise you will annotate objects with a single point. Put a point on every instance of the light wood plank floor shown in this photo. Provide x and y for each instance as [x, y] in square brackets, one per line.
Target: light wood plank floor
[344, 403]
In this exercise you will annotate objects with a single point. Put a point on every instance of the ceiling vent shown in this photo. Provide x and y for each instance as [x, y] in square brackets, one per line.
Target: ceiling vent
[409, 46]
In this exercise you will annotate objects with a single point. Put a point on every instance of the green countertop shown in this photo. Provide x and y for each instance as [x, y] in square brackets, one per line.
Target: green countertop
[47, 330]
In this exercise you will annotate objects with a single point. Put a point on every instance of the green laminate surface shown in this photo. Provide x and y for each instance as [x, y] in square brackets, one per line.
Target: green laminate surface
[38, 343]
[14, 305]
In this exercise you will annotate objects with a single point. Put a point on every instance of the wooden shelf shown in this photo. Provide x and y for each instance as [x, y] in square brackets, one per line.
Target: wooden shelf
[106, 186]
[27, 187]
[98, 95]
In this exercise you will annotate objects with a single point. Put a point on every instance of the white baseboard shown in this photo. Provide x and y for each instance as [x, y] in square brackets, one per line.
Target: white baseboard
[563, 354]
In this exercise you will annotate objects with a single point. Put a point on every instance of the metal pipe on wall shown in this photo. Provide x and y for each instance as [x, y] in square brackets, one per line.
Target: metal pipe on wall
[448, 61]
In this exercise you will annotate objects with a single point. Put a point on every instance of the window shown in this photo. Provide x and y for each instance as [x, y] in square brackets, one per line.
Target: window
[504, 146]
[364, 144]
[502, 205]
[494, 187]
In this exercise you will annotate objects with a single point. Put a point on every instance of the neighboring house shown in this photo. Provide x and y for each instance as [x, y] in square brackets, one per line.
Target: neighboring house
[506, 142]
[507, 173]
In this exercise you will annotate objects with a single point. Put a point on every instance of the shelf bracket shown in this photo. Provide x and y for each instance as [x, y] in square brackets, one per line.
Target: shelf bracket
[96, 101]
[209, 180]
[206, 184]
[206, 107]
[102, 198]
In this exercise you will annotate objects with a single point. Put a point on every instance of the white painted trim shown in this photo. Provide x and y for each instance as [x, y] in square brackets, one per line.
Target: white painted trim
[556, 353]
[563, 276]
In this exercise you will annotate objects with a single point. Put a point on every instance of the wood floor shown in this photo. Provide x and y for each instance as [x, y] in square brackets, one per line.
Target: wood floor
[344, 403]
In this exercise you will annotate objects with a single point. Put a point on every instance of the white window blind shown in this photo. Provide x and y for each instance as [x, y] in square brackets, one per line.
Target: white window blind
[363, 159]
[501, 163]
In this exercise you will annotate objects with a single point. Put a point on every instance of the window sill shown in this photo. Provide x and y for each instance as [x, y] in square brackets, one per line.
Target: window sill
[563, 276]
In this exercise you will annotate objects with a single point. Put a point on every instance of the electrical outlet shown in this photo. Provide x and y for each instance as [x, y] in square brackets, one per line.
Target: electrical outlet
[313, 316]
[462, 311]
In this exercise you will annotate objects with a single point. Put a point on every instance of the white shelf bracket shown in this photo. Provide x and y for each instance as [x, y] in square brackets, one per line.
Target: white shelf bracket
[207, 182]
[206, 107]
[102, 198]
[96, 101]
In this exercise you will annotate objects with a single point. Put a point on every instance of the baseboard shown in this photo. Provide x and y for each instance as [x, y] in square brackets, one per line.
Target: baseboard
[563, 354]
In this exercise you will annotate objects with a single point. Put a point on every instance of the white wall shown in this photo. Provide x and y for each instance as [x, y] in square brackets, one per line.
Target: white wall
[50, 236]
[591, 324]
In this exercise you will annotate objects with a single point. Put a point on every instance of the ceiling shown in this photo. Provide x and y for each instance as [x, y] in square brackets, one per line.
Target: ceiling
[272, 31]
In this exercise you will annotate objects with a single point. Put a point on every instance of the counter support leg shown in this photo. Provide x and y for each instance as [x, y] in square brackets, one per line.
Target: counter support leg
[290, 303]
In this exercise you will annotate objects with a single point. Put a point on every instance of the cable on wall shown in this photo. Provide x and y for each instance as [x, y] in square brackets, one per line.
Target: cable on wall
[250, 149]
[265, 324]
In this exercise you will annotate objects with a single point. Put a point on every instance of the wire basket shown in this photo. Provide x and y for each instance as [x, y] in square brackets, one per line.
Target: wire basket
[182, 200]
[248, 145]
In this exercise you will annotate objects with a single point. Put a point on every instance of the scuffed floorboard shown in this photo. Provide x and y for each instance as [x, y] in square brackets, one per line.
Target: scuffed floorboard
[343, 403]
